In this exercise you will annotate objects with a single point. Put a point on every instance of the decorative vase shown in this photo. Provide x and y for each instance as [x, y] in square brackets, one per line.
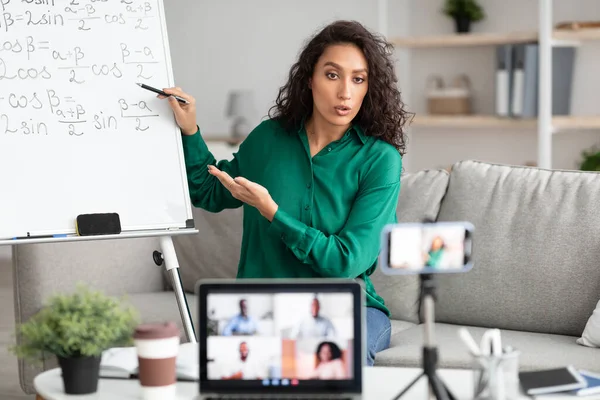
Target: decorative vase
[80, 374]
[463, 24]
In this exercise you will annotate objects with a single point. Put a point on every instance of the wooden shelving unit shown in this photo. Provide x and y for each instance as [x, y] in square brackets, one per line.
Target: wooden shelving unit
[546, 36]
[559, 123]
[491, 39]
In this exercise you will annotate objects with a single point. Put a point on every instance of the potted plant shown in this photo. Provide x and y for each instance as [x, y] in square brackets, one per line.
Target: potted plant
[590, 159]
[77, 328]
[463, 12]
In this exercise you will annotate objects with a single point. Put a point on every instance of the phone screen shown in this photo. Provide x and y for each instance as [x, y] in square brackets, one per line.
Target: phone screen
[428, 248]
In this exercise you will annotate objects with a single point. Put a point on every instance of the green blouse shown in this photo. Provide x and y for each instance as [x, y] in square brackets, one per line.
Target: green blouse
[332, 207]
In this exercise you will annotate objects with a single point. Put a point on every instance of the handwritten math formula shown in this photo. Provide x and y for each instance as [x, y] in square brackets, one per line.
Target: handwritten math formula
[68, 68]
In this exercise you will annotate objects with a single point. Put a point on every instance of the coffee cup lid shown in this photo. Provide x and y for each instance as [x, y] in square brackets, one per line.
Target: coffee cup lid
[156, 331]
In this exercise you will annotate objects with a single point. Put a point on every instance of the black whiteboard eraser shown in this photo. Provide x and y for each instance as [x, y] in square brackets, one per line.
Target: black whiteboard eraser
[98, 224]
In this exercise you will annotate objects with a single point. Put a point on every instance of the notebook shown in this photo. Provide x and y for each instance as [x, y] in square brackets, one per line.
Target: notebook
[122, 362]
[551, 381]
[592, 384]
[281, 338]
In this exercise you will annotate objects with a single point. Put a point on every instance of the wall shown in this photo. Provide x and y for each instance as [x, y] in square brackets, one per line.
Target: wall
[223, 45]
[220, 45]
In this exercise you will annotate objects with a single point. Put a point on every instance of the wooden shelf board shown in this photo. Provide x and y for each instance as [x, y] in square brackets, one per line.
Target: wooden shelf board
[490, 121]
[581, 34]
[461, 40]
[491, 39]
[576, 122]
[470, 121]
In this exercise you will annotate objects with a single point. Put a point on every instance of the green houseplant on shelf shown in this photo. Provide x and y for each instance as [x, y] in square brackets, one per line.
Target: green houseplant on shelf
[464, 12]
[77, 328]
[590, 160]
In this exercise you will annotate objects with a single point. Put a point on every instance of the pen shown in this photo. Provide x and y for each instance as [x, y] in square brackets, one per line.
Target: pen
[468, 340]
[155, 90]
[490, 343]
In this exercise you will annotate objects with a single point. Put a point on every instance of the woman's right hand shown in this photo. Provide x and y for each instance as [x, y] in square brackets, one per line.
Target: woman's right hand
[185, 114]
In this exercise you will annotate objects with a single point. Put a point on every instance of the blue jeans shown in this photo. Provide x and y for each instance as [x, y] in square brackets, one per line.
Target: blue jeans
[379, 330]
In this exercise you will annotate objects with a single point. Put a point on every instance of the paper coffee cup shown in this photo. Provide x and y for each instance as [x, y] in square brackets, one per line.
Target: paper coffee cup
[157, 348]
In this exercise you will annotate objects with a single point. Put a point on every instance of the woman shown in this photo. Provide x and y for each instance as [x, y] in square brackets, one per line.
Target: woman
[434, 256]
[329, 362]
[321, 177]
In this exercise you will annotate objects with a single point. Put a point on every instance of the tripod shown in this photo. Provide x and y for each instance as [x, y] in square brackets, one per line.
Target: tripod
[437, 388]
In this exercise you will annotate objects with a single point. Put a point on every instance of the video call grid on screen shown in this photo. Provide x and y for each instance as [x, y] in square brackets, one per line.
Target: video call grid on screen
[283, 337]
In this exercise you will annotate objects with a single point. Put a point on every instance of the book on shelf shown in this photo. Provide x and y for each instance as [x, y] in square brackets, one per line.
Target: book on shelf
[517, 76]
[503, 79]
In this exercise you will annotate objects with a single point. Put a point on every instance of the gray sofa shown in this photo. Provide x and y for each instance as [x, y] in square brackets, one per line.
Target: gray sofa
[536, 272]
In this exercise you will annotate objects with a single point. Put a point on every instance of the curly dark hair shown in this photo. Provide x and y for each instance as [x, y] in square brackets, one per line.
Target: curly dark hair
[335, 351]
[382, 114]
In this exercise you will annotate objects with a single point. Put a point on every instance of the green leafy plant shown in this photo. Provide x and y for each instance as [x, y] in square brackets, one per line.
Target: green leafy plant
[81, 324]
[468, 9]
[590, 160]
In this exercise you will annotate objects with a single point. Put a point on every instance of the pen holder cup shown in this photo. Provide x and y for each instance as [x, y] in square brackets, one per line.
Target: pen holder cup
[496, 377]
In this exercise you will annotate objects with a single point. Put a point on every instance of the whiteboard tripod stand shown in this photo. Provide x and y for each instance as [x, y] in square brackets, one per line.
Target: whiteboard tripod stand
[169, 258]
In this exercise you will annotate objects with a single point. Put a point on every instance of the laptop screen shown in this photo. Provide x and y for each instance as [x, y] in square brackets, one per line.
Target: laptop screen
[298, 337]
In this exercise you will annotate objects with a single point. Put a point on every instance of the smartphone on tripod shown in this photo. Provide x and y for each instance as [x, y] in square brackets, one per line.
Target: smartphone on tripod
[426, 248]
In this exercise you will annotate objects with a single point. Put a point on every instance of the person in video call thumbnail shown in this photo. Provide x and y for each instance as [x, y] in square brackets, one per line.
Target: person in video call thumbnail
[243, 367]
[315, 326]
[436, 252]
[329, 362]
[241, 324]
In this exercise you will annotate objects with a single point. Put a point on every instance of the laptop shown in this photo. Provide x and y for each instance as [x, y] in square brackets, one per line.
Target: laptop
[281, 338]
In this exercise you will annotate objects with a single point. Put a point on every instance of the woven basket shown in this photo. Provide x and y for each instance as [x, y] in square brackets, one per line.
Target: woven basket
[453, 100]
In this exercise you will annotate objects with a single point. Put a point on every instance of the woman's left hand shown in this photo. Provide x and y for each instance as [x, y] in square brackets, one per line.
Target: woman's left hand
[249, 192]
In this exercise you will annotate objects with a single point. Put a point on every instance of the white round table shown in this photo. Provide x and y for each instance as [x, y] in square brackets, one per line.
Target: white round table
[380, 383]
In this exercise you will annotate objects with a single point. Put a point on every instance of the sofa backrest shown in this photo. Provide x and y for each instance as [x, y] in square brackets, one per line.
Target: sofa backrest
[420, 196]
[536, 248]
[116, 267]
[214, 252]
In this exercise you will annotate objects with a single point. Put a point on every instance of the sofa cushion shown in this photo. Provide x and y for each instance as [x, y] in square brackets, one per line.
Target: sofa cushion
[536, 248]
[399, 326]
[420, 196]
[538, 350]
[591, 333]
[212, 253]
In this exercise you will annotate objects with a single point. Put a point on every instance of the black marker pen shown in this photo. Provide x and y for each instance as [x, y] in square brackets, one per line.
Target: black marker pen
[150, 88]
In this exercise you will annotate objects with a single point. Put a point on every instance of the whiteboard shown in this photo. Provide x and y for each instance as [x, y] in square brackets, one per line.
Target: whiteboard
[77, 135]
